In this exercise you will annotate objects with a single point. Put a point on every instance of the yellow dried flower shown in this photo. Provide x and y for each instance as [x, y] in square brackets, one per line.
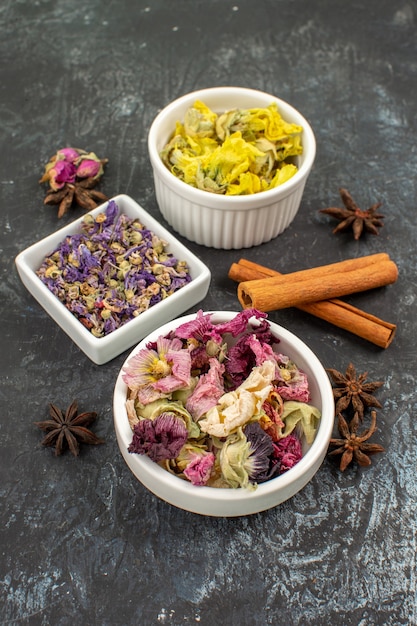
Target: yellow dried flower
[240, 152]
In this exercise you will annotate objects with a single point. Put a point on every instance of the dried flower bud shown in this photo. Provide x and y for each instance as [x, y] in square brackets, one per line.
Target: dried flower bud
[68, 154]
[61, 173]
[72, 175]
[88, 168]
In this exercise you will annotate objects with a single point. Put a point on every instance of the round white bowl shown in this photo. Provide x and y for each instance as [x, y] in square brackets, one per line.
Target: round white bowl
[219, 221]
[233, 502]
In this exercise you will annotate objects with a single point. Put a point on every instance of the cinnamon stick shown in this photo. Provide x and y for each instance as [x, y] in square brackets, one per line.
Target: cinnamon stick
[337, 312]
[251, 269]
[366, 266]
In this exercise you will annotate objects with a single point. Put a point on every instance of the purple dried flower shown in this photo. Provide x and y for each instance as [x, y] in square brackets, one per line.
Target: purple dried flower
[259, 463]
[111, 214]
[111, 261]
[202, 328]
[248, 352]
[161, 438]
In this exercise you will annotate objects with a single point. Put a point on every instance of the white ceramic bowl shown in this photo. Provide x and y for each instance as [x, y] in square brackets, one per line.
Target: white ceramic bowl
[227, 221]
[233, 502]
[101, 350]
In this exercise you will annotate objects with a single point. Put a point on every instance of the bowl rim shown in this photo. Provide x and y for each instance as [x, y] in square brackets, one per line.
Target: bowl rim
[86, 341]
[263, 490]
[220, 201]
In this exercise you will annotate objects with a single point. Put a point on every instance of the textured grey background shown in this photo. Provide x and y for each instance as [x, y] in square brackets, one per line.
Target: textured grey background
[82, 542]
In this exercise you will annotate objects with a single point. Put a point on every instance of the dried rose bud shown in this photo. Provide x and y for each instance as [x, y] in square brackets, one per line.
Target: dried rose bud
[72, 175]
[62, 172]
[88, 168]
[68, 154]
[70, 163]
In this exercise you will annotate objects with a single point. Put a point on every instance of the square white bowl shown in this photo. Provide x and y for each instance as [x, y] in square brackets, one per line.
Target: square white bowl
[103, 349]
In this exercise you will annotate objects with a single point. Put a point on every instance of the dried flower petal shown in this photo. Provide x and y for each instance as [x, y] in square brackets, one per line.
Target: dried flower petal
[68, 154]
[236, 408]
[259, 464]
[288, 451]
[209, 389]
[156, 373]
[304, 416]
[161, 438]
[233, 457]
[88, 168]
[251, 350]
[199, 469]
[162, 405]
[62, 172]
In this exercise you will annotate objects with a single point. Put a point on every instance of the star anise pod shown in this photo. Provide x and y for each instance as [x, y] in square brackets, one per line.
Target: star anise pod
[352, 389]
[354, 446]
[352, 217]
[81, 192]
[68, 430]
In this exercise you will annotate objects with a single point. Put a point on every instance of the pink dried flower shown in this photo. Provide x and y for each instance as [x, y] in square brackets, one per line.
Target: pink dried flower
[70, 164]
[88, 168]
[296, 388]
[62, 172]
[156, 373]
[203, 329]
[68, 154]
[198, 471]
[239, 323]
[208, 390]
[249, 352]
[288, 451]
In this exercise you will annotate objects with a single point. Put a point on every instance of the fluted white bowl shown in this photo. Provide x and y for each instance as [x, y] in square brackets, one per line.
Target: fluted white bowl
[218, 221]
[232, 502]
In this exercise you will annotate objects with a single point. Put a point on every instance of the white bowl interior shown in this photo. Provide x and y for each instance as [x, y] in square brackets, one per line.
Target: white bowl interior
[233, 502]
[221, 99]
[101, 350]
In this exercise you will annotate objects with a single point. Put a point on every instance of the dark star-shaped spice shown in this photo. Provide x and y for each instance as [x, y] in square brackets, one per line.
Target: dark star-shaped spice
[68, 430]
[354, 446]
[352, 217]
[80, 192]
[351, 389]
